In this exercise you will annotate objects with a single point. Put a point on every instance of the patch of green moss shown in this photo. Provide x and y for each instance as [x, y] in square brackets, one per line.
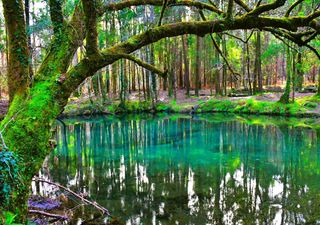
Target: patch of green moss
[310, 105]
[251, 106]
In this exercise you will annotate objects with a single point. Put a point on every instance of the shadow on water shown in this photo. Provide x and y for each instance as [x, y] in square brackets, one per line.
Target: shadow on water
[210, 169]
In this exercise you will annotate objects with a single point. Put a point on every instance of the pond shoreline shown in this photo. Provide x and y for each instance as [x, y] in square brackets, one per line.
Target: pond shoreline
[306, 107]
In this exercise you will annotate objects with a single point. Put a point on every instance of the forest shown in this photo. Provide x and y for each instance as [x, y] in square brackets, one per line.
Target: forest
[170, 105]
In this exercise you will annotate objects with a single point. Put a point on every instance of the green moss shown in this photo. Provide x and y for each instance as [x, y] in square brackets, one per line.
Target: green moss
[251, 106]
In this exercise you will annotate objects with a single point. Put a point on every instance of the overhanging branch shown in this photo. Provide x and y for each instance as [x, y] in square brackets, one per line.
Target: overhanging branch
[129, 3]
[143, 64]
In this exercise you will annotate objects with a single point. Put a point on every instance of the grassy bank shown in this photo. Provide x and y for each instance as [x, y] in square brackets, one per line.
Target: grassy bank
[302, 107]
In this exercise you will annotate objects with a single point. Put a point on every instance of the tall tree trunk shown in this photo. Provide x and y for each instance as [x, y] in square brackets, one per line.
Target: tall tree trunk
[27, 14]
[286, 95]
[299, 71]
[186, 65]
[18, 63]
[224, 69]
[217, 71]
[198, 66]
[258, 72]
[318, 93]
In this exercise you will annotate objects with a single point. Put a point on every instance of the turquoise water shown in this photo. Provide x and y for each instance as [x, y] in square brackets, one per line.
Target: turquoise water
[192, 170]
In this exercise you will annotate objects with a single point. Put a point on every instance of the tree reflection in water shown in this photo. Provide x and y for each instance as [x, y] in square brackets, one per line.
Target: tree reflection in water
[184, 170]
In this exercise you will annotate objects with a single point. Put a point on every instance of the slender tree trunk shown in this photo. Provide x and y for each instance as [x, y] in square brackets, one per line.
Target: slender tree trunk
[198, 66]
[217, 72]
[318, 81]
[299, 71]
[258, 72]
[286, 95]
[186, 65]
[27, 14]
[224, 69]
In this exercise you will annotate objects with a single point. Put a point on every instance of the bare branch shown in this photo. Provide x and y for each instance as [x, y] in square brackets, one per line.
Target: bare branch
[103, 210]
[143, 64]
[60, 217]
[216, 46]
[314, 51]
[162, 11]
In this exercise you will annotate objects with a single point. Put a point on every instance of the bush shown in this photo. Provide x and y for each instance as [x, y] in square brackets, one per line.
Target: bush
[8, 175]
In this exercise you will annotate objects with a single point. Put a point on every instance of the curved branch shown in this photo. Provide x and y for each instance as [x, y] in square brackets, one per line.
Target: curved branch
[267, 7]
[243, 5]
[314, 51]
[143, 64]
[88, 67]
[189, 3]
[296, 3]
[164, 6]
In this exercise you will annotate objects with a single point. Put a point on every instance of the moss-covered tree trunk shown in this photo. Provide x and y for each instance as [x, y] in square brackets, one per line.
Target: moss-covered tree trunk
[18, 63]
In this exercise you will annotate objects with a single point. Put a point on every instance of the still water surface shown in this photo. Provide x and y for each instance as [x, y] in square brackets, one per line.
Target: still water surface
[213, 169]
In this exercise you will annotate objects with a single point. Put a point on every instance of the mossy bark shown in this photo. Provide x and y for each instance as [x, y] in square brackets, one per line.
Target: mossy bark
[286, 95]
[18, 62]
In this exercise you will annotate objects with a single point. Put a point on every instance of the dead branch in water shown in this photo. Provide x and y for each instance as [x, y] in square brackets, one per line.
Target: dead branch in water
[103, 210]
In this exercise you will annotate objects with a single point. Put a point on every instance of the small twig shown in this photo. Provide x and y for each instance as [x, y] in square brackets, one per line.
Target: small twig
[162, 11]
[63, 217]
[94, 204]
[12, 118]
[4, 146]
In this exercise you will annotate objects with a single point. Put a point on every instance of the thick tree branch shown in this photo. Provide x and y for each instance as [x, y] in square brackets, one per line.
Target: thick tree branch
[90, 11]
[243, 5]
[230, 9]
[88, 67]
[128, 3]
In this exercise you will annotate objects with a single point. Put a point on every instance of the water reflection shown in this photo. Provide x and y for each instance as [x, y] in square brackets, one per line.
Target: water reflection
[183, 170]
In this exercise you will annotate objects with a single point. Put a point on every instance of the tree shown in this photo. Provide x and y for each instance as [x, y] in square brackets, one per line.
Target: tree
[35, 106]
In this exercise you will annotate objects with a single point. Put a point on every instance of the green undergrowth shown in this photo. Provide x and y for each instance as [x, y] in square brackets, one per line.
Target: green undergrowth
[252, 106]
[306, 106]
[97, 107]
